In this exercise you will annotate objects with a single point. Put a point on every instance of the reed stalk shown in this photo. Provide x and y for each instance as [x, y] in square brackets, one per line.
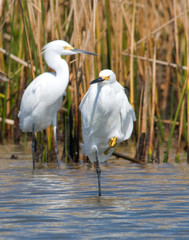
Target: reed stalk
[131, 58]
[180, 132]
[108, 13]
[187, 76]
[150, 148]
[27, 38]
[174, 122]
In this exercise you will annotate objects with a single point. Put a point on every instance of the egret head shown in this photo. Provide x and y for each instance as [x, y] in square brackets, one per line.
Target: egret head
[61, 47]
[106, 76]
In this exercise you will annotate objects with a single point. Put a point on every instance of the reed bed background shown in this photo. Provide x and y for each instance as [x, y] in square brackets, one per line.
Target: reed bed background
[146, 43]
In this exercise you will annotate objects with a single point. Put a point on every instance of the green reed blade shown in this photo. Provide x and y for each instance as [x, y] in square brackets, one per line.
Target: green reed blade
[174, 122]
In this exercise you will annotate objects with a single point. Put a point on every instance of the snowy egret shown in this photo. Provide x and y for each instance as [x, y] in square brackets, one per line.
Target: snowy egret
[107, 118]
[43, 97]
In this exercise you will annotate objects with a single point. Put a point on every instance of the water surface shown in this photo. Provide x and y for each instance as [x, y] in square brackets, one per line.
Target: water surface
[137, 202]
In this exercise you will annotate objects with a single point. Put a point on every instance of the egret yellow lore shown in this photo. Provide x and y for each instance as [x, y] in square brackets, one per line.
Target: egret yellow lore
[43, 97]
[107, 119]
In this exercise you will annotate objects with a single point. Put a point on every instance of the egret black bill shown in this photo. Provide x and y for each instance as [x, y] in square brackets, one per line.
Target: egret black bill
[100, 79]
[76, 50]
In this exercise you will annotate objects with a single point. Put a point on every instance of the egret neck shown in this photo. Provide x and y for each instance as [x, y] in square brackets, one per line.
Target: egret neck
[60, 66]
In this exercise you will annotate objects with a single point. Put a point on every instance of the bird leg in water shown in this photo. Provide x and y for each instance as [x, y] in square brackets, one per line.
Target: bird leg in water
[98, 170]
[112, 143]
[56, 146]
[33, 146]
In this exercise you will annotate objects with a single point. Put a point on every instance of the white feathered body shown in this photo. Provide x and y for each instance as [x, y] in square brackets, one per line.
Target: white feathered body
[106, 113]
[43, 97]
[39, 103]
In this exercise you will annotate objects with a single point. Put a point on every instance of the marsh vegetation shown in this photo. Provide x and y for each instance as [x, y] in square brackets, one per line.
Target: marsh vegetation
[146, 43]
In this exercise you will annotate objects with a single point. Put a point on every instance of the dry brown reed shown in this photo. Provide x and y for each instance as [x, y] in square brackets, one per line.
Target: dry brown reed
[123, 34]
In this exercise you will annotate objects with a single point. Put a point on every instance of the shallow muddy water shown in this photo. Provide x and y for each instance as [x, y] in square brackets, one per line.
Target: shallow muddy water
[137, 202]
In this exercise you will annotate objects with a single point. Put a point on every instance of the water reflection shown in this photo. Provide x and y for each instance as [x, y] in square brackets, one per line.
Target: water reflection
[138, 201]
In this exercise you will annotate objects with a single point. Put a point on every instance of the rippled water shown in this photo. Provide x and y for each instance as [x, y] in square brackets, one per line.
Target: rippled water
[137, 202]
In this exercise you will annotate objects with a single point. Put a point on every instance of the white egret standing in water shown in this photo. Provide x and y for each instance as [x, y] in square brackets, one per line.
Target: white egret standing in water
[107, 118]
[43, 97]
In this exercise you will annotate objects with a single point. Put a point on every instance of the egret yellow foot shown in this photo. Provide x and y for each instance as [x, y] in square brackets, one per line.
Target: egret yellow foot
[112, 143]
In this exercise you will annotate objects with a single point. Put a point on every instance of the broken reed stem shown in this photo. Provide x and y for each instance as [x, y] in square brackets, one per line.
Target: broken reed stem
[173, 65]
[8, 121]
[17, 59]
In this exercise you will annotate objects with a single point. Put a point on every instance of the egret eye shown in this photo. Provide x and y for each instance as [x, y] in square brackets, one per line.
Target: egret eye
[106, 78]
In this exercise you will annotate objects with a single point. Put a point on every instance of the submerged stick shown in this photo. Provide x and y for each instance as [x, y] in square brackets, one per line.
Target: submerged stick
[120, 155]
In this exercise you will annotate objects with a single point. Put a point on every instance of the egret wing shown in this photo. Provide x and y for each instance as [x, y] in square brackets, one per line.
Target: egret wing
[31, 97]
[87, 106]
[127, 116]
[33, 93]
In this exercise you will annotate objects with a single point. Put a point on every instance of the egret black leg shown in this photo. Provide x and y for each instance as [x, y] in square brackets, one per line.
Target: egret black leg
[33, 146]
[56, 146]
[98, 170]
[45, 140]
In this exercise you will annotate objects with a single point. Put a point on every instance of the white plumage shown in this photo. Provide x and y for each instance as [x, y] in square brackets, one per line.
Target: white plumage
[43, 97]
[106, 114]
[40, 104]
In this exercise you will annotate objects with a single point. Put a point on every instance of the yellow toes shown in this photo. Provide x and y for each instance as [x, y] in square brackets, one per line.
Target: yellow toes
[106, 151]
[113, 142]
